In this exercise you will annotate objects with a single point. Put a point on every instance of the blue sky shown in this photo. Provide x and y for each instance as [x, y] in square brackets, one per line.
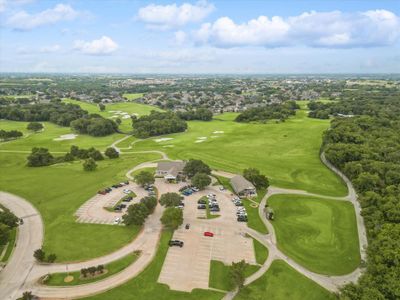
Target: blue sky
[200, 36]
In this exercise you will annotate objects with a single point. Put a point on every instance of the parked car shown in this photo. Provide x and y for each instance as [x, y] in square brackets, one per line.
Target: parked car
[187, 226]
[126, 191]
[214, 209]
[201, 206]
[208, 233]
[103, 192]
[117, 220]
[242, 219]
[175, 243]
[122, 205]
[201, 201]
[195, 189]
[108, 189]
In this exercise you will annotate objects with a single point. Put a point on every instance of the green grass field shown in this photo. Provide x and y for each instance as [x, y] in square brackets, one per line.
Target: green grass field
[112, 268]
[131, 97]
[220, 278]
[254, 220]
[288, 153]
[145, 285]
[58, 191]
[319, 234]
[282, 282]
[261, 252]
[47, 138]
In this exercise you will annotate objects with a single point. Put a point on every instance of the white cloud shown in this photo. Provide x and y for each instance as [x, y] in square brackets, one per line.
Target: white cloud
[102, 46]
[316, 29]
[50, 49]
[180, 37]
[25, 21]
[172, 16]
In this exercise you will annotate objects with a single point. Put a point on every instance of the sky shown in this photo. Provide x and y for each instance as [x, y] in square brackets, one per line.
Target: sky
[197, 37]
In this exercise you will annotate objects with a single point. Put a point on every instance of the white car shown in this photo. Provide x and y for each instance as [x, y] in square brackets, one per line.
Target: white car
[126, 191]
[117, 220]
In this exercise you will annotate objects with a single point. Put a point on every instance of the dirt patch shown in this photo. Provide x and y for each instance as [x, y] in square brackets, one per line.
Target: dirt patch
[68, 278]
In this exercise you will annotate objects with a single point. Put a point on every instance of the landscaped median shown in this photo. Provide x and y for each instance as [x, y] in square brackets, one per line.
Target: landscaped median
[254, 220]
[83, 277]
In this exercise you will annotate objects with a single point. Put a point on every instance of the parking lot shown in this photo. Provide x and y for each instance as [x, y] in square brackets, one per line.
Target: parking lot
[93, 210]
[228, 244]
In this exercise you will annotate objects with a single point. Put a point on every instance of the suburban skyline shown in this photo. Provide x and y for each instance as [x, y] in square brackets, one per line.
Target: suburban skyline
[199, 37]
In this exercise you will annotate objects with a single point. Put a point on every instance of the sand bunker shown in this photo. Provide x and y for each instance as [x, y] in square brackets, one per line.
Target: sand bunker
[199, 141]
[70, 136]
[214, 136]
[168, 146]
[218, 132]
[202, 138]
[162, 140]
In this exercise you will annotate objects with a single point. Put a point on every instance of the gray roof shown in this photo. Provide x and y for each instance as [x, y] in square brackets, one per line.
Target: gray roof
[171, 167]
[240, 184]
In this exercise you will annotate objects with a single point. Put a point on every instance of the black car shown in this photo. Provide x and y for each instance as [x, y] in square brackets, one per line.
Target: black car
[215, 208]
[127, 199]
[175, 243]
[201, 206]
[242, 219]
[202, 201]
[118, 208]
[108, 189]
[187, 226]
[122, 205]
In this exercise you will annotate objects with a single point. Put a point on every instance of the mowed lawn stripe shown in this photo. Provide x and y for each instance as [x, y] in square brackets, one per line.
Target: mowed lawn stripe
[319, 234]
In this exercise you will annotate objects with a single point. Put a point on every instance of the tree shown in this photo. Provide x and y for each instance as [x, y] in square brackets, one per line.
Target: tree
[39, 254]
[27, 296]
[194, 166]
[92, 270]
[150, 202]
[253, 175]
[237, 273]
[89, 165]
[35, 126]
[84, 272]
[4, 234]
[201, 180]
[95, 154]
[118, 121]
[100, 269]
[136, 214]
[51, 258]
[102, 107]
[172, 217]
[144, 178]
[111, 152]
[68, 157]
[170, 199]
[40, 157]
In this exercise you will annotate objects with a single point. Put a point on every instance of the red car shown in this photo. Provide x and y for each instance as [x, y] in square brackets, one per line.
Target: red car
[207, 233]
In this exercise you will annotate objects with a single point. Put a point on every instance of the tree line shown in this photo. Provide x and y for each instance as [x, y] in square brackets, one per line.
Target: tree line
[40, 157]
[202, 114]
[269, 112]
[157, 123]
[367, 149]
[9, 135]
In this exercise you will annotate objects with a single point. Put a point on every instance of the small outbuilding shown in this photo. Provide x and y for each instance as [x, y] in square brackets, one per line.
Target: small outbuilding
[242, 187]
[170, 170]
